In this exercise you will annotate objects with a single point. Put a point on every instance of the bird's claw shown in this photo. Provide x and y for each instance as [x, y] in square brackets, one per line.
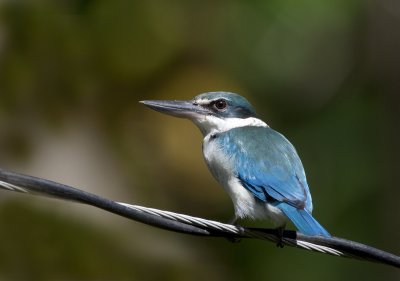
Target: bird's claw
[280, 243]
[240, 232]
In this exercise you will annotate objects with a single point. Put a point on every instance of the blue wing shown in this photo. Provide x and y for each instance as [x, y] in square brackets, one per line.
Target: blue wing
[268, 166]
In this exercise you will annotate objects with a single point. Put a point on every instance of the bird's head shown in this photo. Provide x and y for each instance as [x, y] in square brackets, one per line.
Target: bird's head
[211, 112]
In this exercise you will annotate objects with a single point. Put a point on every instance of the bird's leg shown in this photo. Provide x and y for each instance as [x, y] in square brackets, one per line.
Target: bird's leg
[233, 221]
[280, 231]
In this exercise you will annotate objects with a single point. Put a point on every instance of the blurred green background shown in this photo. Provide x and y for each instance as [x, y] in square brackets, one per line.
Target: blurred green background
[324, 73]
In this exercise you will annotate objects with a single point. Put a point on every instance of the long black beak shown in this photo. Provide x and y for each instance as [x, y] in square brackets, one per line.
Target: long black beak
[177, 108]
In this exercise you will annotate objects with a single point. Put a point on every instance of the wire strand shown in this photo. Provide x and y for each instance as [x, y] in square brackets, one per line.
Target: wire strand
[193, 225]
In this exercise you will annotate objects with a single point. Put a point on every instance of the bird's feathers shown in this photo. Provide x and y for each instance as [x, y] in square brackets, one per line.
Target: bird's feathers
[267, 165]
[257, 166]
[303, 220]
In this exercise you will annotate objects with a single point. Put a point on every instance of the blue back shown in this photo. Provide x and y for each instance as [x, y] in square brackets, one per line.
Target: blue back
[267, 164]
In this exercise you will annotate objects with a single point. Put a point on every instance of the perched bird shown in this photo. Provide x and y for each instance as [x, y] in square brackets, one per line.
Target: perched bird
[257, 166]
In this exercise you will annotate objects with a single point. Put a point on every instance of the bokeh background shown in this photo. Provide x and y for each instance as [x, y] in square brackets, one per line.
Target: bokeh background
[324, 73]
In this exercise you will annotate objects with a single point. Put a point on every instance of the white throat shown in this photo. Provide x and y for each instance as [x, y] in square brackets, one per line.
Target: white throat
[210, 124]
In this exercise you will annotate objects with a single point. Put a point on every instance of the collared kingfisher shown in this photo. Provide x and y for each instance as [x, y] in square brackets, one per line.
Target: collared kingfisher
[257, 166]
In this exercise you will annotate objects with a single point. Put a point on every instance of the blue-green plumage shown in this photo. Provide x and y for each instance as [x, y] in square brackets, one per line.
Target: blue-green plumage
[267, 165]
[258, 167]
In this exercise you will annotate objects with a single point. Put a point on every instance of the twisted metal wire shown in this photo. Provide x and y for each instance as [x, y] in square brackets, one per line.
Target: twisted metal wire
[194, 225]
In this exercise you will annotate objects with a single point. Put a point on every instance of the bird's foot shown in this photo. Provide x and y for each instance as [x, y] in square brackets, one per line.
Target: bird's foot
[280, 243]
[233, 221]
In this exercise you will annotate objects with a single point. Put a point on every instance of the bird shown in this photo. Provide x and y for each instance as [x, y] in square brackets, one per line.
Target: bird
[257, 166]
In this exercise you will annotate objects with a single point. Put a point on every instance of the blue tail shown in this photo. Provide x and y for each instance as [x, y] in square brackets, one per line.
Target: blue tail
[303, 220]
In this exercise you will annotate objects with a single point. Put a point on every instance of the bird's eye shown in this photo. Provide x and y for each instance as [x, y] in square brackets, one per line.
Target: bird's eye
[220, 104]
